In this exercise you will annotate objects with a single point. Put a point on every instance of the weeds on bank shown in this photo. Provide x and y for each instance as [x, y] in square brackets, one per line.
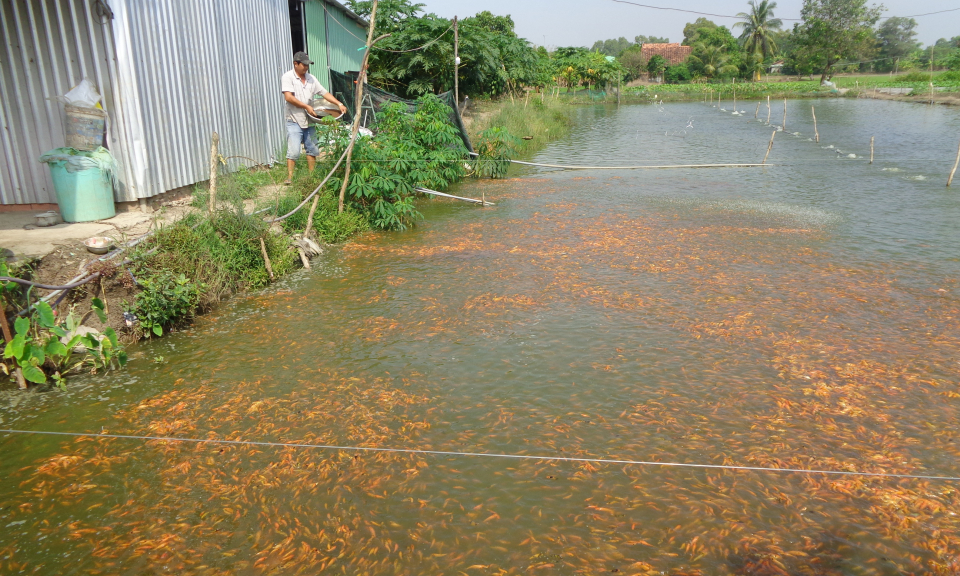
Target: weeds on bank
[532, 121]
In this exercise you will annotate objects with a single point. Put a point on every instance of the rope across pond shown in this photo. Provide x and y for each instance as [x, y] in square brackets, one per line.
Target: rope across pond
[483, 455]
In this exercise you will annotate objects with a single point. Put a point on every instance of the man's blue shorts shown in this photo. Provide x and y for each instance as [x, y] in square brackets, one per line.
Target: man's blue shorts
[297, 136]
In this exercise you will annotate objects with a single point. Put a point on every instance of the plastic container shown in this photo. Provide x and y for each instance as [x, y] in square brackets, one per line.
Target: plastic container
[83, 195]
[85, 127]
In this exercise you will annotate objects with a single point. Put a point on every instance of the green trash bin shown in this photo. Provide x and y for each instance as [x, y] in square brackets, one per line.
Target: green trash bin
[83, 182]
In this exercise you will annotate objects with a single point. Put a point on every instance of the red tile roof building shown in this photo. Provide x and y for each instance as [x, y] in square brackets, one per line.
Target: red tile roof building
[673, 53]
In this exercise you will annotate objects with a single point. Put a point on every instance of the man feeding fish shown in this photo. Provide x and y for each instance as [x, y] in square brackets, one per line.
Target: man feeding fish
[299, 88]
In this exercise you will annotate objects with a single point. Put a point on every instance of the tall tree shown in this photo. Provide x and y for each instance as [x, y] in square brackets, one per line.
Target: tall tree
[758, 28]
[693, 30]
[898, 39]
[833, 31]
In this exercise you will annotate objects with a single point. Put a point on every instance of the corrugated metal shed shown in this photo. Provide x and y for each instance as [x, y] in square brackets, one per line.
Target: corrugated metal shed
[335, 36]
[171, 72]
[188, 69]
[49, 46]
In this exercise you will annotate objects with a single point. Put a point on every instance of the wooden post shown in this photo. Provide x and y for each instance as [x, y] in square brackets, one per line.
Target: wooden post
[954, 171]
[7, 336]
[784, 115]
[816, 132]
[619, 86]
[768, 109]
[266, 258]
[313, 209]
[214, 160]
[770, 147]
[734, 94]
[456, 61]
[871, 149]
[756, 114]
[361, 78]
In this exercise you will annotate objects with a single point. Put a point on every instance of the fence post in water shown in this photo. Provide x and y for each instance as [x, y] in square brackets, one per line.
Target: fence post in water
[266, 258]
[770, 147]
[954, 171]
[871, 149]
[816, 132]
[213, 172]
[757, 113]
[768, 110]
[784, 115]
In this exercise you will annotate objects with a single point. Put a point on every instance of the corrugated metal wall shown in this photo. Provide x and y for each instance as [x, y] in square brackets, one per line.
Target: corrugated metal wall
[334, 39]
[317, 40]
[191, 68]
[171, 73]
[49, 46]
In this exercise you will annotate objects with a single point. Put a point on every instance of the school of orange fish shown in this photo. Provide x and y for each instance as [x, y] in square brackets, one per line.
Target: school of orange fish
[804, 363]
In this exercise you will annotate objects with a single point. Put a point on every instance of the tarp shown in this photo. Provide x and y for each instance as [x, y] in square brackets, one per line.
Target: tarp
[343, 86]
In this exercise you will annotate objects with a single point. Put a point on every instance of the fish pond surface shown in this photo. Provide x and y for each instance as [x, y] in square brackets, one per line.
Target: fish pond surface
[802, 315]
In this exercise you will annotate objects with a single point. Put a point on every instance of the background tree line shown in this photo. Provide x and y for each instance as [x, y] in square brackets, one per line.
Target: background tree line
[834, 36]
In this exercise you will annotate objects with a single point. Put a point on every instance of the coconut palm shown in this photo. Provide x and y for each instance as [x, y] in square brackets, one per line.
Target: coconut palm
[711, 61]
[758, 27]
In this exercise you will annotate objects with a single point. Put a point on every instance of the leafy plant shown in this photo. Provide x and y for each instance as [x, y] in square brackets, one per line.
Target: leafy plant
[166, 299]
[37, 348]
[496, 147]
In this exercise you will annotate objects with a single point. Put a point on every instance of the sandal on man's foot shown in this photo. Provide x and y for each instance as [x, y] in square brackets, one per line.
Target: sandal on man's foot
[287, 183]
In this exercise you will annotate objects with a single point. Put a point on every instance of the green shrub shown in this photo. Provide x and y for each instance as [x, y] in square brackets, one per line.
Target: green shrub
[496, 147]
[166, 299]
[677, 74]
[915, 76]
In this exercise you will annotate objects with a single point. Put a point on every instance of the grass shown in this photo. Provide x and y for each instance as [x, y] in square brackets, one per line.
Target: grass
[539, 120]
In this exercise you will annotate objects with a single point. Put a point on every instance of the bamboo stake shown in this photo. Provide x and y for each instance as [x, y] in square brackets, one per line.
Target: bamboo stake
[456, 62]
[266, 257]
[954, 171]
[734, 94]
[768, 110]
[784, 115]
[757, 113]
[313, 209]
[303, 258]
[816, 132]
[770, 147]
[213, 172]
[871, 149]
[361, 78]
[7, 336]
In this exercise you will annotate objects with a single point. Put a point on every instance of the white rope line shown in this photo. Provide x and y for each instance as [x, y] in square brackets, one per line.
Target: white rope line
[435, 193]
[480, 455]
[636, 167]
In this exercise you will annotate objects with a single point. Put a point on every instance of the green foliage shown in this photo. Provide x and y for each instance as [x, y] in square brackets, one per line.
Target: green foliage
[494, 60]
[578, 66]
[758, 38]
[897, 39]
[422, 149]
[656, 65]
[496, 147]
[37, 350]
[834, 31]
[677, 74]
[613, 47]
[166, 299]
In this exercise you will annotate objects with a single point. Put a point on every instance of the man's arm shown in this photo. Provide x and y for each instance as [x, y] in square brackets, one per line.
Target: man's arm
[289, 97]
[333, 100]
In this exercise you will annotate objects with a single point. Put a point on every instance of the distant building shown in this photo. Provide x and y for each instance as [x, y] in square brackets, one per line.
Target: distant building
[673, 53]
[776, 67]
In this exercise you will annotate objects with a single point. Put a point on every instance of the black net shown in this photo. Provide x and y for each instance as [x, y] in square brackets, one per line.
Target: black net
[344, 87]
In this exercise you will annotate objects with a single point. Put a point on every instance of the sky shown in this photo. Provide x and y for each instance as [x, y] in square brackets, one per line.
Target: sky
[555, 23]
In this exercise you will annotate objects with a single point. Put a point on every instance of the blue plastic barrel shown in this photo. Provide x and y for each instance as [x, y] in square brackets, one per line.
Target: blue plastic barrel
[83, 195]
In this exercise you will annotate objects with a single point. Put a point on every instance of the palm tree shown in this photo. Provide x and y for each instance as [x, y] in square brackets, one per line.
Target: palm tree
[758, 27]
[712, 60]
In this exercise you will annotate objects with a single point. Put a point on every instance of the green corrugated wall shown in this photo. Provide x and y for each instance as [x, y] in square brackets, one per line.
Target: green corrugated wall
[345, 40]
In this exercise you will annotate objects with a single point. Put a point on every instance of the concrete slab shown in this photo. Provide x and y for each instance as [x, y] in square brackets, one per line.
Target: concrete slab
[19, 234]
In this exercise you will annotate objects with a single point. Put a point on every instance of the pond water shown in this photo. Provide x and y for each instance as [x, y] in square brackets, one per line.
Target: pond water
[802, 315]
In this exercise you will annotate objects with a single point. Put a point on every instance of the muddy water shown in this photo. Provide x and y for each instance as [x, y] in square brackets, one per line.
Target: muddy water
[799, 316]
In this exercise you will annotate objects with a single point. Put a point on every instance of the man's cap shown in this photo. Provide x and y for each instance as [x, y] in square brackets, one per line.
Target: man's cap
[302, 58]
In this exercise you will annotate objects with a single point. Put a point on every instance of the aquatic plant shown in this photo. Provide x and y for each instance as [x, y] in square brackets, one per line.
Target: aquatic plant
[166, 299]
[44, 346]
